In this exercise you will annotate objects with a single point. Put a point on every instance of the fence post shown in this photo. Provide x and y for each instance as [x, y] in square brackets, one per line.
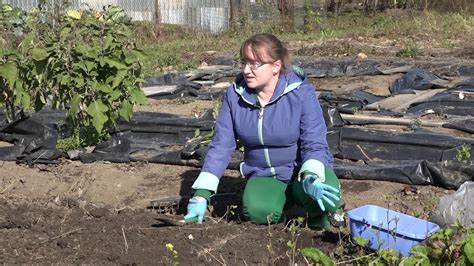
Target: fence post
[157, 19]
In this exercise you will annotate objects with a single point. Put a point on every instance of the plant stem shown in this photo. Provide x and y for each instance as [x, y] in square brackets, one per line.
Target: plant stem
[354, 259]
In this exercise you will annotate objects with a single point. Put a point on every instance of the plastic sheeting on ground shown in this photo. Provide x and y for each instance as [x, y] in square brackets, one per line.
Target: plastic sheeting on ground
[457, 207]
[412, 157]
[369, 145]
[33, 137]
[414, 79]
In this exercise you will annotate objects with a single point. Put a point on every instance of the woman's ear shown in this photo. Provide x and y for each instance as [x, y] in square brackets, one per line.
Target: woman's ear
[276, 66]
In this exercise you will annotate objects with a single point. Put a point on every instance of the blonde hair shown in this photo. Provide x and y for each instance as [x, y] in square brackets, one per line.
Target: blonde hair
[266, 45]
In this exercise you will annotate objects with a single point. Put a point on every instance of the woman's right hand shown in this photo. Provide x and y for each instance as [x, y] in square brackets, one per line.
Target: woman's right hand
[196, 209]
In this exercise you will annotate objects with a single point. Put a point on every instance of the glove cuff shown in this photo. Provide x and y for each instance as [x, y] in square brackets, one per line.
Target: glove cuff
[203, 193]
[312, 167]
[207, 181]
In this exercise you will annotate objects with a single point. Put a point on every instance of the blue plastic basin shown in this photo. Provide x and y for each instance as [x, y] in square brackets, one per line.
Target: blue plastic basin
[385, 228]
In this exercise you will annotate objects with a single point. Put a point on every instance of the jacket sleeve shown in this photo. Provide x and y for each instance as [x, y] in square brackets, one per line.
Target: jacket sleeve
[315, 152]
[219, 150]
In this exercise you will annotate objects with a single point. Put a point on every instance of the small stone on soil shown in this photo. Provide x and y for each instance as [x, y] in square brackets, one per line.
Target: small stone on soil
[99, 212]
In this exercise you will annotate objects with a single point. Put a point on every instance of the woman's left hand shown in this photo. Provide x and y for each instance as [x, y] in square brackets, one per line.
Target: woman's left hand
[320, 192]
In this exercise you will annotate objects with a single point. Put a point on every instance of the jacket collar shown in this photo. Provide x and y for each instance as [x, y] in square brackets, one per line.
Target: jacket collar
[287, 82]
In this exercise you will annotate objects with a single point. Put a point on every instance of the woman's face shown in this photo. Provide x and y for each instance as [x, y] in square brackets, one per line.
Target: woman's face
[257, 74]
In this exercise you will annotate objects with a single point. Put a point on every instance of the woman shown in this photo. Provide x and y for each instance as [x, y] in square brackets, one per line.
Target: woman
[273, 111]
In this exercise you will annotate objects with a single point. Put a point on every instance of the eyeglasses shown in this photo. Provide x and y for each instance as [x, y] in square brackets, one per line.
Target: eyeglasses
[252, 65]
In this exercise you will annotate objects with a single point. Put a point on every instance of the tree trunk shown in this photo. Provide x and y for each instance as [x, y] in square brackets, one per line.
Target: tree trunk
[233, 13]
[157, 19]
[287, 15]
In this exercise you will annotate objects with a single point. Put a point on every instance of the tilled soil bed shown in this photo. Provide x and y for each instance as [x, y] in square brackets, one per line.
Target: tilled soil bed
[50, 215]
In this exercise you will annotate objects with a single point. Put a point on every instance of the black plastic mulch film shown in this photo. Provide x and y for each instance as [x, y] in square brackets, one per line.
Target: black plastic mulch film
[420, 157]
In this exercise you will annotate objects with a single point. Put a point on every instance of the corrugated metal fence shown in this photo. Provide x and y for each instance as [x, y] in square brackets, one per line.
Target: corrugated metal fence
[211, 15]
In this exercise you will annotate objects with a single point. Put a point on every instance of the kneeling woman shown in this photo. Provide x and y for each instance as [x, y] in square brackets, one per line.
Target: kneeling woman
[273, 110]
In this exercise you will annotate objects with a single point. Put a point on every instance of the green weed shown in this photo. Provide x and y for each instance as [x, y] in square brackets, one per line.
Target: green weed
[448, 246]
[171, 258]
[295, 232]
[410, 52]
[463, 153]
[415, 124]
[72, 142]
[79, 138]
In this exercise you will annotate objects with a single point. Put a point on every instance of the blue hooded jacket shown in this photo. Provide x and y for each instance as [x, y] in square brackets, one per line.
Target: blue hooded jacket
[286, 136]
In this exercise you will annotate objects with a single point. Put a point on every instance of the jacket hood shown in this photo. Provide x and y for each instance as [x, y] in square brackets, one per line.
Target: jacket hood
[288, 81]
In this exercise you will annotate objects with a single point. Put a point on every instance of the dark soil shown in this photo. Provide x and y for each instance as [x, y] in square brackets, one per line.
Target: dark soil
[34, 233]
[70, 231]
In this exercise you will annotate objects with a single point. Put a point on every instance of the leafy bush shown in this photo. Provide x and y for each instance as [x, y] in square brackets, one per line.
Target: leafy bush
[17, 83]
[448, 246]
[79, 61]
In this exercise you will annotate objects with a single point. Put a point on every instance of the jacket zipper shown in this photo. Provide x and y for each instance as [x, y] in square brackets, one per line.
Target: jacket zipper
[260, 137]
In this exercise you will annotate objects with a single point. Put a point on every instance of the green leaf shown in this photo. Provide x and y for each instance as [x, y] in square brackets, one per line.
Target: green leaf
[317, 256]
[81, 65]
[114, 95]
[22, 98]
[420, 250]
[79, 81]
[64, 79]
[39, 54]
[134, 56]
[93, 53]
[102, 61]
[138, 96]
[97, 111]
[65, 32]
[75, 104]
[469, 250]
[26, 101]
[115, 63]
[89, 65]
[27, 41]
[81, 47]
[361, 241]
[102, 87]
[9, 71]
[116, 80]
[126, 110]
[418, 261]
[449, 232]
[7, 52]
[139, 54]
[108, 40]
